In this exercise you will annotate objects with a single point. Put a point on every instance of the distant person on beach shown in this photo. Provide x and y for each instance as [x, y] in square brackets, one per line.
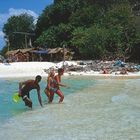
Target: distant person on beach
[26, 86]
[56, 86]
[122, 72]
[50, 83]
[105, 71]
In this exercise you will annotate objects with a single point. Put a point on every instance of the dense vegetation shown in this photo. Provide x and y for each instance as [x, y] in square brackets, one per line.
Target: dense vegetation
[15, 30]
[94, 29]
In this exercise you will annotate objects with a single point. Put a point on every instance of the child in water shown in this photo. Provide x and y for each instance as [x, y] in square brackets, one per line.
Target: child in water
[49, 83]
[53, 86]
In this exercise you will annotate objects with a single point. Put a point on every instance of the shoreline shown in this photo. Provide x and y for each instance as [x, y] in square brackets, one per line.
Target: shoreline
[31, 69]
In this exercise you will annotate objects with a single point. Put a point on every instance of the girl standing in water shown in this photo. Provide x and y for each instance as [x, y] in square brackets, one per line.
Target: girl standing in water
[55, 88]
[50, 83]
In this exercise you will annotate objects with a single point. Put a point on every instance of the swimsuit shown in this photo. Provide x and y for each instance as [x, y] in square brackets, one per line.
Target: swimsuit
[53, 85]
[54, 88]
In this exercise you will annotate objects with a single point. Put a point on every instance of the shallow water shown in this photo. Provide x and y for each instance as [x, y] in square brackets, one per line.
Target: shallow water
[93, 109]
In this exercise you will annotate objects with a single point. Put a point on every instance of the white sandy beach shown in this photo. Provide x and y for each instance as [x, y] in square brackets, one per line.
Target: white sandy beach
[103, 109]
[31, 69]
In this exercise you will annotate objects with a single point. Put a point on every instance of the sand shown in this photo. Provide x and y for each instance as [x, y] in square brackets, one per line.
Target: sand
[31, 69]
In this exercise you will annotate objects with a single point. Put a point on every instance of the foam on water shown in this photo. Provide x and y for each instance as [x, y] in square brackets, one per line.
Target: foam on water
[104, 110]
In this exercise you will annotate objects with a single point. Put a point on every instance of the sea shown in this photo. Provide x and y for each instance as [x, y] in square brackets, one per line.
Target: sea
[93, 109]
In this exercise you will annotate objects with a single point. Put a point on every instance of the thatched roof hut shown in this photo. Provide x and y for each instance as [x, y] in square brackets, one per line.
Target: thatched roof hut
[20, 55]
[39, 54]
[18, 50]
[58, 54]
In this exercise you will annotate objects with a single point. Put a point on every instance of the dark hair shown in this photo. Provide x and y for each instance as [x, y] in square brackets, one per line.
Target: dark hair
[60, 70]
[38, 77]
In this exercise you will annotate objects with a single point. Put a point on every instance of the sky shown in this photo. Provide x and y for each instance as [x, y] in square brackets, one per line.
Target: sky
[9, 8]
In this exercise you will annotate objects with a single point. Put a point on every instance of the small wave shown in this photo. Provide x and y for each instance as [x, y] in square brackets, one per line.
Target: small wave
[119, 98]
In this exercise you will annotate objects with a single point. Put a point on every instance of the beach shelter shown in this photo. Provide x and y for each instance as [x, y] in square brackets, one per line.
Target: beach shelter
[60, 54]
[20, 55]
[41, 54]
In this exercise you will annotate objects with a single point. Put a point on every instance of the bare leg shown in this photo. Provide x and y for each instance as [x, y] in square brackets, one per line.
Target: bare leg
[28, 102]
[51, 96]
[47, 92]
[60, 94]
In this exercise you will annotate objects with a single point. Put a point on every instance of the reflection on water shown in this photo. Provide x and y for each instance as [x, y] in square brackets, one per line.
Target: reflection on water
[93, 109]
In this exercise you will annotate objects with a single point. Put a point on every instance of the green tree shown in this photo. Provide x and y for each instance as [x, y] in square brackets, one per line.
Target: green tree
[122, 30]
[115, 33]
[56, 14]
[90, 41]
[95, 27]
[56, 36]
[86, 16]
[21, 23]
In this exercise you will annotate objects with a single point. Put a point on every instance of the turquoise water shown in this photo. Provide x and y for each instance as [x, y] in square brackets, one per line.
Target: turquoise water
[8, 108]
[93, 109]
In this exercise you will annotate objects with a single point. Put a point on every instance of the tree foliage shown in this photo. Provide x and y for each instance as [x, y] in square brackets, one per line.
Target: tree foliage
[56, 36]
[21, 23]
[95, 28]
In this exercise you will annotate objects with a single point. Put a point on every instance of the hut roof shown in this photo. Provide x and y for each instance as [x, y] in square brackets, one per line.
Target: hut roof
[12, 52]
[26, 50]
[54, 50]
[48, 51]
[19, 50]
